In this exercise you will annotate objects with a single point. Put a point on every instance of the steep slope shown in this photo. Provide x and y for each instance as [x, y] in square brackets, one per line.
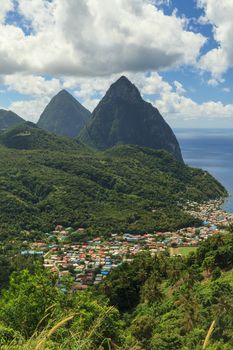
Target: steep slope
[64, 115]
[123, 117]
[9, 119]
[28, 136]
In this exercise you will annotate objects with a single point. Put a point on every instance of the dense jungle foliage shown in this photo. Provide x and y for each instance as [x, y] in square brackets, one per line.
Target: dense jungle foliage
[46, 179]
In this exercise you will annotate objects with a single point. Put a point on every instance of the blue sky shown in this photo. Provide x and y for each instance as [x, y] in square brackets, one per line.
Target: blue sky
[178, 53]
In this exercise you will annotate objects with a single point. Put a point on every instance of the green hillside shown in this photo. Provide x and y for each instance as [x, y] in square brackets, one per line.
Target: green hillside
[127, 188]
[9, 119]
[28, 136]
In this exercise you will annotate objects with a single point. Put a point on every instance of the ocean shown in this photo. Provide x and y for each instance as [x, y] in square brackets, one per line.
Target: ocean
[211, 150]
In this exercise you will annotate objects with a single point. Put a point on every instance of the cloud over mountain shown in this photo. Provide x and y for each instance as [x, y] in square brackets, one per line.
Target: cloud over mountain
[85, 45]
[78, 37]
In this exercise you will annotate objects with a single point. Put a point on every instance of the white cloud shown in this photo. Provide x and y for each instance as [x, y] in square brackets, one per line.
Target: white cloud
[150, 84]
[90, 104]
[82, 38]
[218, 13]
[6, 6]
[179, 87]
[32, 85]
[39, 13]
[178, 107]
[29, 110]
[161, 2]
[37, 88]
[213, 82]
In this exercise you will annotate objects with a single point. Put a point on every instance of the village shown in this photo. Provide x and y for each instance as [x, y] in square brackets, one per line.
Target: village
[89, 261]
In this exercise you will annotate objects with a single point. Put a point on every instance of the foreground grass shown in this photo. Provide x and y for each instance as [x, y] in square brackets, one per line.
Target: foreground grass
[47, 339]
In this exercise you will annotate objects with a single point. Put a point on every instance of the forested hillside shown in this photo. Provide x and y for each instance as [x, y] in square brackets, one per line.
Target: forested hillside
[47, 179]
[8, 119]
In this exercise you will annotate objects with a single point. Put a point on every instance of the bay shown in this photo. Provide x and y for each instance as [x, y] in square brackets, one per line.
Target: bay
[211, 150]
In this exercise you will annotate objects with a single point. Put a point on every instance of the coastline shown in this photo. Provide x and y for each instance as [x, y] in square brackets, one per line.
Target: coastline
[216, 150]
[211, 211]
[226, 203]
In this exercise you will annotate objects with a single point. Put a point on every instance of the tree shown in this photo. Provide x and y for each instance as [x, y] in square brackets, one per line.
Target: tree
[222, 296]
[151, 291]
[190, 309]
[208, 264]
[216, 273]
[166, 340]
[23, 304]
[230, 228]
[142, 327]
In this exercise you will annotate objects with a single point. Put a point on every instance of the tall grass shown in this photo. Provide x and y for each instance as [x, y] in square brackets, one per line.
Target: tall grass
[42, 340]
[41, 343]
[208, 335]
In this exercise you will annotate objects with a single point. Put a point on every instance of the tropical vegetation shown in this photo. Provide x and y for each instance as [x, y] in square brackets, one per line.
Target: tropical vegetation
[158, 302]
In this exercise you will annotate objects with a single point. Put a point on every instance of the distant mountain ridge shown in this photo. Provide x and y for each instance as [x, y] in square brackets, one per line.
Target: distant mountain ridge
[64, 115]
[123, 117]
[9, 119]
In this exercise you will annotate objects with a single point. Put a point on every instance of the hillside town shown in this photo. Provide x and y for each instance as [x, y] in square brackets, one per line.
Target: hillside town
[89, 261]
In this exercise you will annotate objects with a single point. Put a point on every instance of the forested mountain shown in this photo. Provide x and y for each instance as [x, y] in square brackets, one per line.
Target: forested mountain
[123, 117]
[64, 115]
[9, 119]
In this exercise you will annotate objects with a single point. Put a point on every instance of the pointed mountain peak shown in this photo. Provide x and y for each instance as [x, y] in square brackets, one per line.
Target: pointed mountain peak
[123, 80]
[63, 92]
[123, 88]
[64, 96]
[123, 117]
[64, 115]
